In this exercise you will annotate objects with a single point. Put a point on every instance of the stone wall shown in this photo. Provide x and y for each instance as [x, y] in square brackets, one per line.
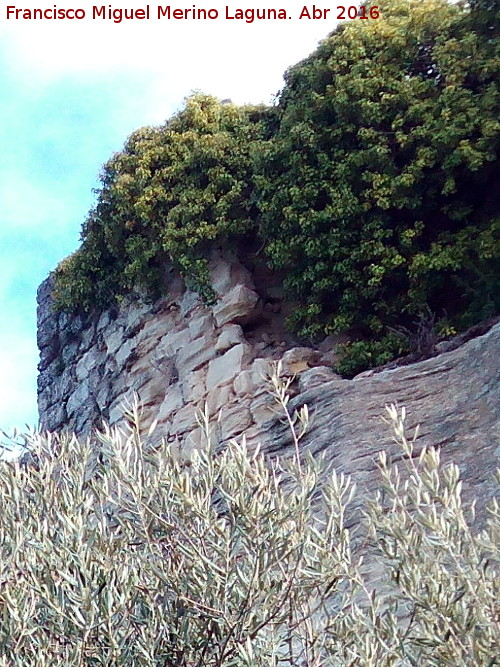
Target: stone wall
[176, 355]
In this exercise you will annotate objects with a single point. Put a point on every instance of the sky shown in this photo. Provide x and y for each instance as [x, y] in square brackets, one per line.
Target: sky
[71, 91]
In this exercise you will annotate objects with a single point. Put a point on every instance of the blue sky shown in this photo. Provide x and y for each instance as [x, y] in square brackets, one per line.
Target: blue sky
[71, 93]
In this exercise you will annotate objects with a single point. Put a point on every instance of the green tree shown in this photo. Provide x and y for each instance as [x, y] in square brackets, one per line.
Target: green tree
[379, 190]
[373, 184]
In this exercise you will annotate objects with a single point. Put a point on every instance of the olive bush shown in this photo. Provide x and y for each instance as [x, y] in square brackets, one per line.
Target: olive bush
[116, 552]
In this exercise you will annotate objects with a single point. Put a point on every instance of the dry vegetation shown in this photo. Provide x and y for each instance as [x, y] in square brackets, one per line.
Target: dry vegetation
[119, 554]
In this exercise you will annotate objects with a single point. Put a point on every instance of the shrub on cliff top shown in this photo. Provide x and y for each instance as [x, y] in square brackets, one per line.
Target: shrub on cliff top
[379, 191]
[169, 195]
[373, 184]
[119, 555]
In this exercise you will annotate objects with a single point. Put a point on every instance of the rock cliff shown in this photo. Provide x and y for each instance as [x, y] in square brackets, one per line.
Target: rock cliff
[454, 397]
[178, 354]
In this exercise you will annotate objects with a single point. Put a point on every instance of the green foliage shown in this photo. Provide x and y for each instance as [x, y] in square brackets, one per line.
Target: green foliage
[117, 554]
[169, 195]
[359, 355]
[379, 191]
[373, 184]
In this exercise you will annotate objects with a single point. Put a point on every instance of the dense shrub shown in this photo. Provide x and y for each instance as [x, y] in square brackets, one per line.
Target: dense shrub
[358, 355]
[373, 185]
[379, 190]
[119, 554]
[167, 197]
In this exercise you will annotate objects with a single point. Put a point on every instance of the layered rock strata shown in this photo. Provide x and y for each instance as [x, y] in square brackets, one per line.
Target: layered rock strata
[179, 355]
[454, 398]
[176, 354]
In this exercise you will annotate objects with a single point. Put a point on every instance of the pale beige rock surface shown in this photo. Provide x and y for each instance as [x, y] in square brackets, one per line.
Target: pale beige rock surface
[179, 355]
[223, 369]
[238, 305]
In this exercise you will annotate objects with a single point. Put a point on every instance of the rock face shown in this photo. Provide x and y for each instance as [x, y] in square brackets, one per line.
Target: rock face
[177, 355]
[454, 397]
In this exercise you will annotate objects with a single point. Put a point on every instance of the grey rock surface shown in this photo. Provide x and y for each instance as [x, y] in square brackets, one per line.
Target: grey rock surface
[454, 397]
[179, 355]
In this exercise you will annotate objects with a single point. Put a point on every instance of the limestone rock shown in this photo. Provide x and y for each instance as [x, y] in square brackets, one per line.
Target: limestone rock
[114, 340]
[178, 353]
[46, 335]
[48, 354]
[118, 406]
[69, 354]
[263, 407]
[232, 334]
[201, 325]
[189, 302]
[194, 355]
[454, 397]
[227, 272]
[80, 395]
[243, 383]
[223, 369]
[239, 306]
[44, 303]
[54, 417]
[87, 363]
[134, 315]
[299, 359]
[172, 402]
[316, 376]
[185, 419]
[124, 352]
[234, 419]
[87, 337]
[261, 369]
[173, 341]
[193, 386]
[104, 322]
[153, 391]
[219, 397]
[104, 391]
[154, 329]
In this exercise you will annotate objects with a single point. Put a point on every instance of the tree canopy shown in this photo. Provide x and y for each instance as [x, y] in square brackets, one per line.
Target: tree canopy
[380, 189]
[170, 192]
[373, 184]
